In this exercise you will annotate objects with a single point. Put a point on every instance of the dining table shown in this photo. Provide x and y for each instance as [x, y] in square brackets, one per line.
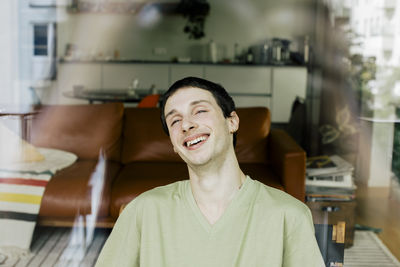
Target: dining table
[23, 113]
[108, 95]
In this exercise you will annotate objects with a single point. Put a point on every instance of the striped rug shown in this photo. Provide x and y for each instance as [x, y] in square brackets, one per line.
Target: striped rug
[22, 185]
[20, 197]
[56, 246]
[80, 247]
[368, 251]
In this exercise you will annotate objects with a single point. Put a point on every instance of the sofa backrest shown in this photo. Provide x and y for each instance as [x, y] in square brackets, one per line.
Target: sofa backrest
[144, 139]
[81, 129]
[254, 127]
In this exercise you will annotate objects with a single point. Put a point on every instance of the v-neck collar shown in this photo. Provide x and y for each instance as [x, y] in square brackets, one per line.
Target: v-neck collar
[211, 228]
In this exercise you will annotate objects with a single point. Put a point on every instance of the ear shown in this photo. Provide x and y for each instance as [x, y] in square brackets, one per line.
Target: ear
[233, 121]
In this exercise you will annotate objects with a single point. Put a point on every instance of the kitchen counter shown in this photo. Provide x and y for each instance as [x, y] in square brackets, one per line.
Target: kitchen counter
[135, 61]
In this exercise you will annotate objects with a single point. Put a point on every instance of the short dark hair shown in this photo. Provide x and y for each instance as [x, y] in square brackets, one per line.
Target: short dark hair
[221, 96]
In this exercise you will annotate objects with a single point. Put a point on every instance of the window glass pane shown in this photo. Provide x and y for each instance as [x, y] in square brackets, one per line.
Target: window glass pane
[40, 40]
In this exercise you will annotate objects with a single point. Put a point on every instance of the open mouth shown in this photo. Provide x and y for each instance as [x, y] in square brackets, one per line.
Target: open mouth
[196, 141]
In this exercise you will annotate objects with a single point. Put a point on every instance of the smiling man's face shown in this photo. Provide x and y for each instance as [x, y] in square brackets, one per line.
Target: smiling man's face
[198, 130]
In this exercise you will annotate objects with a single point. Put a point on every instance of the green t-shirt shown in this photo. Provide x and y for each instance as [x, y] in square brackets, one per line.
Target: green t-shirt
[262, 226]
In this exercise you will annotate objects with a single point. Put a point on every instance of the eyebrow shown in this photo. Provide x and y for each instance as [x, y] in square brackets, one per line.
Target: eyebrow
[170, 113]
[192, 104]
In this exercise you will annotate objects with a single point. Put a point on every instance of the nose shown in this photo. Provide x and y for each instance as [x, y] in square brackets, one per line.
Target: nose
[188, 124]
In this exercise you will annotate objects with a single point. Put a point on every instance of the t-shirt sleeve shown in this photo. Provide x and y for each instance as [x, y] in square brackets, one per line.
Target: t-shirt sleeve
[301, 247]
[123, 245]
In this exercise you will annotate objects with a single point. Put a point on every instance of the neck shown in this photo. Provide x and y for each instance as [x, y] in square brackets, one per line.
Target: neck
[214, 186]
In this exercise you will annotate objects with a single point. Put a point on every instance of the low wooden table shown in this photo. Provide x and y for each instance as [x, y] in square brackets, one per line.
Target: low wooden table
[332, 212]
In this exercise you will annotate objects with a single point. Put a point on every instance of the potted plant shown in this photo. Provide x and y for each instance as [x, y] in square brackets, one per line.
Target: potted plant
[196, 12]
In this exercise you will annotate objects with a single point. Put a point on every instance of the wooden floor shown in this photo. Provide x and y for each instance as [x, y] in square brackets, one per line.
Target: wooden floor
[377, 207]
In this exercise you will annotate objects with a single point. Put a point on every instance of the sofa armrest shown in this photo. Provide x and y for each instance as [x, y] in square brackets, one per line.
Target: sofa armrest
[288, 161]
[121, 209]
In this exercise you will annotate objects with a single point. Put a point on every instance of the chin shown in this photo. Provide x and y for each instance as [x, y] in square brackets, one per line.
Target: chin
[196, 161]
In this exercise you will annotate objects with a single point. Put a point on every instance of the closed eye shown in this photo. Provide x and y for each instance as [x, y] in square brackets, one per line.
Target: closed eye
[201, 111]
[174, 121]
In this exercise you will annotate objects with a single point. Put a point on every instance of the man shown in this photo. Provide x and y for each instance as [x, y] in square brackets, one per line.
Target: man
[220, 216]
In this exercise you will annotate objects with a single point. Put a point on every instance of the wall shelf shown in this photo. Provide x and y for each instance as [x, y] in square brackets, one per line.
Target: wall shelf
[123, 8]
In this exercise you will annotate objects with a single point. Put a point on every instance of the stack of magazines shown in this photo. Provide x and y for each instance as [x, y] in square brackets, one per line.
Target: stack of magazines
[329, 178]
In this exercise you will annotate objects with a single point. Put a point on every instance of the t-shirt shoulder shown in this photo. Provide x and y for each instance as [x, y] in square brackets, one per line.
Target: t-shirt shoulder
[160, 194]
[279, 199]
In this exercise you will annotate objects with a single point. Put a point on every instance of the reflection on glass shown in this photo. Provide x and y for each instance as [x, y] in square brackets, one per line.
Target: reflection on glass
[350, 49]
[82, 234]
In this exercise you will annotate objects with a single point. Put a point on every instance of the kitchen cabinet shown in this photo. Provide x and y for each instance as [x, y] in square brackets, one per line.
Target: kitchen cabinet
[120, 76]
[251, 101]
[287, 84]
[241, 79]
[87, 75]
[248, 85]
[275, 87]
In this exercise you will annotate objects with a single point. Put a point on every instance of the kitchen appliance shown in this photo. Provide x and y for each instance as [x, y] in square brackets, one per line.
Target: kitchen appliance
[272, 51]
[280, 51]
[262, 52]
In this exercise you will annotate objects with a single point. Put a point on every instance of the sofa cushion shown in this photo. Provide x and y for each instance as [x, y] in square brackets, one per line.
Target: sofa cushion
[254, 127]
[144, 138]
[81, 129]
[68, 193]
[138, 177]
[262, 173]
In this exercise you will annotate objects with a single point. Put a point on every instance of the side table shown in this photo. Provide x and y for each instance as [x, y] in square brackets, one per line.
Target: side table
[23, 113]
[332, 212]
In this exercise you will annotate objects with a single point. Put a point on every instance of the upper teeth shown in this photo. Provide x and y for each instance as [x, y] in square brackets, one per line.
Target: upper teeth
[195, 141]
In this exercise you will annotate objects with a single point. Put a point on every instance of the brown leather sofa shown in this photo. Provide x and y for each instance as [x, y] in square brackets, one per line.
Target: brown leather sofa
[138, 156]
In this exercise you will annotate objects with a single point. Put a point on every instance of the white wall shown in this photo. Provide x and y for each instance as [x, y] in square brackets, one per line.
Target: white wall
[234, 21]
[379, 26]
[8, 53]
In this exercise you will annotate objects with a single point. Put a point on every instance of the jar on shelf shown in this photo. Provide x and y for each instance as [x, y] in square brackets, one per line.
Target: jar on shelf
[276, 51]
